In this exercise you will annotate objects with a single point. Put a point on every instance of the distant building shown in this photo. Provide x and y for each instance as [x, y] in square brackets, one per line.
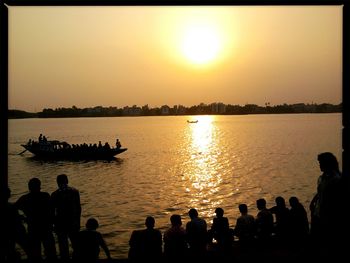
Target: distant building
[132, 111]
[179, 110]
[97, 109]
[145, 109]
[218, 108]
[165, 110]
[298, 107]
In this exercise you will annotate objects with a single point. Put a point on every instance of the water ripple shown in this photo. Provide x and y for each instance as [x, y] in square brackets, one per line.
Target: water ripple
[171, 166]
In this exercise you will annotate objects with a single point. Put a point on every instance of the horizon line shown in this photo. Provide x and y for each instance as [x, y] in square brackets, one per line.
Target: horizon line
[266, 104]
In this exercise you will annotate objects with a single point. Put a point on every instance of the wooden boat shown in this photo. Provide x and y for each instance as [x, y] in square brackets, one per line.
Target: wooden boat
[192, 121]
[63, 150]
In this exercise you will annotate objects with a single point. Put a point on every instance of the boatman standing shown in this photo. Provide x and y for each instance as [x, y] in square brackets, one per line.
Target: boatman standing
[117, 144]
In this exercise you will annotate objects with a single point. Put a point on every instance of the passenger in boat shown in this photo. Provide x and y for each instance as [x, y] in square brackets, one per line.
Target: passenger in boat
[40, 138]
[67, 213]
[89, 242]
[117, 144]
[36, 205]
[106, 146]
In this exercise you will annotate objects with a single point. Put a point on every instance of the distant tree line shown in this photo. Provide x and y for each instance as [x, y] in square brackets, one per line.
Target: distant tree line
[20, 114]
[201, 109]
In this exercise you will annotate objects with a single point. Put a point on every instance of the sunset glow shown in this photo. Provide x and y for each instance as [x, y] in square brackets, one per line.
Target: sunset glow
[201, 44]
[161, 55]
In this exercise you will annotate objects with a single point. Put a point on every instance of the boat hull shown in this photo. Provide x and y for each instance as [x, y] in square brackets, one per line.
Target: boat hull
[74, 154]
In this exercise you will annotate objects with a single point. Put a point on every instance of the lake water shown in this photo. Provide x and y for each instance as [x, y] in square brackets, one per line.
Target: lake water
[171, 165]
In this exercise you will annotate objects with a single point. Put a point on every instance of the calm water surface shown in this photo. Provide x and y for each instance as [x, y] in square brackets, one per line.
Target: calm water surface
[171, 165]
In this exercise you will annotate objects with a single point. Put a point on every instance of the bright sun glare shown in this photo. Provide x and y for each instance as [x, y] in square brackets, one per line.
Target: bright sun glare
[201, 44]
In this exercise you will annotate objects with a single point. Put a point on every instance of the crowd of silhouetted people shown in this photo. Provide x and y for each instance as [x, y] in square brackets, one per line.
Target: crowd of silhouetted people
[46, 215]
[56, 217]
[196, 241]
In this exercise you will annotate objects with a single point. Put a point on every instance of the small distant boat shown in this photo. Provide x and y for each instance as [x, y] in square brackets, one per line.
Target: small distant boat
[195, 121]
[62, 150]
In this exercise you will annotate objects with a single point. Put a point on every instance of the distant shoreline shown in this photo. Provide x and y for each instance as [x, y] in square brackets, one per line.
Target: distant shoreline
[177, 110]
[65, 117]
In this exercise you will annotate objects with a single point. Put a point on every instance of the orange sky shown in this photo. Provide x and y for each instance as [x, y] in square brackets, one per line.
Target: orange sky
[119, 56]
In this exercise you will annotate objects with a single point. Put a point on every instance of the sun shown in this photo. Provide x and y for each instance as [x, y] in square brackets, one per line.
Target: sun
[201, 44]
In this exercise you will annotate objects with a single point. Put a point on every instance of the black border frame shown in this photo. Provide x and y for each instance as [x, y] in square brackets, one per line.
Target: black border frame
[4, 56]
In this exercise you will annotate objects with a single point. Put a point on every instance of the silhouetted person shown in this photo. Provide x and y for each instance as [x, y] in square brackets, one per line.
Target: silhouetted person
[88, 243]
[299, 223]
[13, 231]
[135, 246]
[146, 244]
[117, 144]
[220, 230]
[175, 244]
[36, 205]
[327, 223]
[67, 208]
[264, 222]
[245, 228]
[106, 146]
[197, 236]
[282, 219]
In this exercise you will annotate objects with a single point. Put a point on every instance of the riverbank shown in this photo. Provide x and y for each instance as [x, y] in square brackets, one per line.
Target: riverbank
[274, 252]
[201, 109]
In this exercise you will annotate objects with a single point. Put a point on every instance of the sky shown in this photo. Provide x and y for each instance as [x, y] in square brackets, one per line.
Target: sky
[166, 55]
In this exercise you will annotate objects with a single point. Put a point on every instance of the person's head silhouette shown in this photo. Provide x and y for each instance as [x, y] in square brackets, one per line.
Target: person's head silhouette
[34, 185]
[243, 208]
[176, 220]
[219, 212]
[62, 180]
[261, 203]
[280, 202]
[150, 222]
[193, 213]
[328, 162]
[293, 201]
[91, 224]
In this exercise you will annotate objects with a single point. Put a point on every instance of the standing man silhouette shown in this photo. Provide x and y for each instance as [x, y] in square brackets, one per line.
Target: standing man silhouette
[67, 208]
[36, 205]
[328, 225]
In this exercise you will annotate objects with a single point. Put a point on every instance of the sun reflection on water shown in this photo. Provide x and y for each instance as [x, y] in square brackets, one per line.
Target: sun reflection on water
[202, 177]
[202, 134]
